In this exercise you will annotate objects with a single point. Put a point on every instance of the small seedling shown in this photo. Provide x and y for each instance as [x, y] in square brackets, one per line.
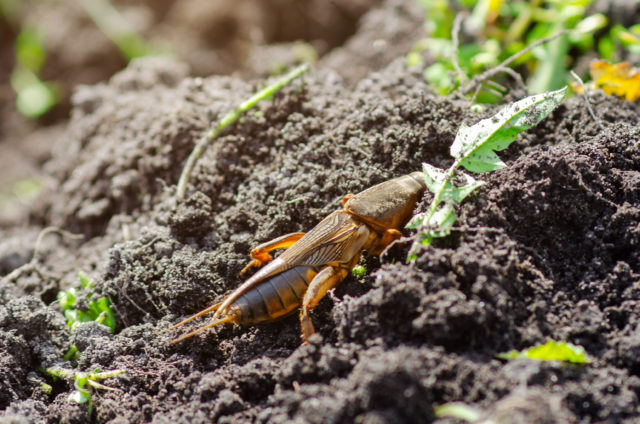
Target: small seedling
[550, 351]
[84, 382]
[474, 149]
[359, 271]
[34, 97]
[99, 309]
[229, 119]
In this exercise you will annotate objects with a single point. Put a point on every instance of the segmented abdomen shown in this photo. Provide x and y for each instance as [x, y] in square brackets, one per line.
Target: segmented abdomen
[275, 297]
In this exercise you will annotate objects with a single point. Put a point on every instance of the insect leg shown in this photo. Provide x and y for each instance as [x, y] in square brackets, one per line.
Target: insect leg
[324, 281]
[260, 254]
[388, 237]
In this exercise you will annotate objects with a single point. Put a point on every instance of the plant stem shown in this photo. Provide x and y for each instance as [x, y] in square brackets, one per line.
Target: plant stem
[435, 201]
[229, 119]
[436, 198]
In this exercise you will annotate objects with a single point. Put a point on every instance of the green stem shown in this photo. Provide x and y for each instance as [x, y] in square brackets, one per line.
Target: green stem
[230, 119]
[435, 202]
[111, 23]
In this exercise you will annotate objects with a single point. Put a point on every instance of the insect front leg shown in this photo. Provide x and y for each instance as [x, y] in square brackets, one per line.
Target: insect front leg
[388, 237]
[324, 281]
[260, 254]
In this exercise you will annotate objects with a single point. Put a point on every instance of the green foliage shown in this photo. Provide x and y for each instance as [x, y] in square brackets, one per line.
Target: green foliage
[34, 97]
[359, 271]
[84, 382]
[99, 309]
[494, 30]
[474, 149]
[551, 351]
[72, 353]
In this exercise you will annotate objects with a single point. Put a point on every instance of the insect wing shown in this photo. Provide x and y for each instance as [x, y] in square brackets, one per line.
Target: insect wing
[325, 243]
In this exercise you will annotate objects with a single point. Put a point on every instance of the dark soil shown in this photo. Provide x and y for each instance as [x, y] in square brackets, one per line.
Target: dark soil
[548, 248]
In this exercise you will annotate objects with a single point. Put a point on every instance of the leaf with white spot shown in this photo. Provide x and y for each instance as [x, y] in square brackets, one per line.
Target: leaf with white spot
[475, 146]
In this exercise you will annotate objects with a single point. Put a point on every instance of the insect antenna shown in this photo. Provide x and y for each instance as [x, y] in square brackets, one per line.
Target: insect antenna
[192, 317]
[229, 318]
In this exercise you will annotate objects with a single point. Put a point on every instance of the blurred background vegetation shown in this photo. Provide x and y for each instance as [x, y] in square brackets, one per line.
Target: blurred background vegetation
[49, 46]
[493, 30]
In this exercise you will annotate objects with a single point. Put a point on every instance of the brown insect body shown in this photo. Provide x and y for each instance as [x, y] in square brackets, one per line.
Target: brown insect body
[317, 261]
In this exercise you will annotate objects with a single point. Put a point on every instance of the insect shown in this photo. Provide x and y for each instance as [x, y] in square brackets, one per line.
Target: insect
[315, 262]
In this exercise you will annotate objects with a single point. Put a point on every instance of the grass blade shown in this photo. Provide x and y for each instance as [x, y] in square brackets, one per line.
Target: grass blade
[229, 119]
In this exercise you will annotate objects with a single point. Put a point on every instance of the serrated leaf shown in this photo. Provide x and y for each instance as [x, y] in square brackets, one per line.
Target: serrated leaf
[475, 146]
[550, 351]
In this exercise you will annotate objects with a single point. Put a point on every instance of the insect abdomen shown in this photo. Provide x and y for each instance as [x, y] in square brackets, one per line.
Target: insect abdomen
[275, 297]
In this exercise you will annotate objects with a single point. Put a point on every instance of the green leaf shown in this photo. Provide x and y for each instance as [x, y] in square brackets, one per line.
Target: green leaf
[592, 23]
[416, 221]
[72, 353]
[439, 225]
[30, 51]
[443, 220]
[67, 298]
[475, 146]
[80, 380]
[435, 177]
[78, 396]
[85, 280]
[102, 307]
[458, 194]
[46, 388]
[551, 351]
[551, 71]
[36, 99]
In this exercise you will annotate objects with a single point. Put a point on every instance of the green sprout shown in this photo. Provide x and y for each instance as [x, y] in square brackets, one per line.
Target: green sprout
[550, 351]
[99, 309]
[115, 27]
[458, 410]
[34, 97]
[359, 271]
[84, 382]
[474, 149]
[231, 118]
